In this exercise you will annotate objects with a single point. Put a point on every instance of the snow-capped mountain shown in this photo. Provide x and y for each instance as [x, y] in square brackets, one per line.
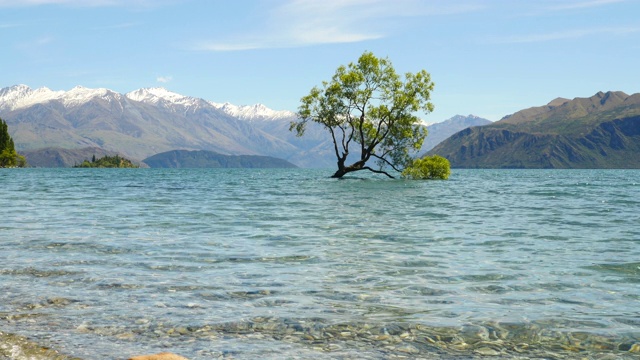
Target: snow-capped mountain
[165, 97]
[158, 94]
[148, 121]
[162, 97]
[253, 112]
[22, 96]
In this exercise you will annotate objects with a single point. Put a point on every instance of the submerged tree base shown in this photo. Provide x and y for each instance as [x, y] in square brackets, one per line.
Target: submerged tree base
[359, 166]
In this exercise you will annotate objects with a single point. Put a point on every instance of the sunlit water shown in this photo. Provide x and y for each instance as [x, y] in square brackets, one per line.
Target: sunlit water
[247, 264]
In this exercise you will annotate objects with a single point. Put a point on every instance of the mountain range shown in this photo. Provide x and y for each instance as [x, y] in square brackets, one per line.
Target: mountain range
[58, 128]
[601, 131]
[145, 122]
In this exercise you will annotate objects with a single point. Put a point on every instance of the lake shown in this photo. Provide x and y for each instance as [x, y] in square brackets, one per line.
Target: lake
[290, 264]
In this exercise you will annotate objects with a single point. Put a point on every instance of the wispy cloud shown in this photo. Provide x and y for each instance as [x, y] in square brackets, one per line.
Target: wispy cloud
[566, 35]
[164, 79]
[88, 3]
[77, 3]
[118, 26]
[36, 43]
[39, 50]
[298, 23]
[581, 4]
[45, 40]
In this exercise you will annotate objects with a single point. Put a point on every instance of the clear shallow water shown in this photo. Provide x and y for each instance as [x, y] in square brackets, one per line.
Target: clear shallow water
[109, 263]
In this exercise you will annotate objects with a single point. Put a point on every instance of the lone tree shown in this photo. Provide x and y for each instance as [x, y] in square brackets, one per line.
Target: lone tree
[8, 155]
[369, 107]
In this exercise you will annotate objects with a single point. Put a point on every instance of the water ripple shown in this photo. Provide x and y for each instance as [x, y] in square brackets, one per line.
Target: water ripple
[290, 263]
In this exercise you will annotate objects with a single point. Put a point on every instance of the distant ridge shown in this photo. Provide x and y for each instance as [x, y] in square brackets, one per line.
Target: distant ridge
[438, 132]
[557, 102]
[210, 159]
[602, 131]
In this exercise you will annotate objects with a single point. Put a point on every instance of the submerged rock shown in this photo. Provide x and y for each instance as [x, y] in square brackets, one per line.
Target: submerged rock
[18, 347]
[159, 356]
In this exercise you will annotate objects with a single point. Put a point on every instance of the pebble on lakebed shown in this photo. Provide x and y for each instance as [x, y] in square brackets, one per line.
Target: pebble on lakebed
[159, 356]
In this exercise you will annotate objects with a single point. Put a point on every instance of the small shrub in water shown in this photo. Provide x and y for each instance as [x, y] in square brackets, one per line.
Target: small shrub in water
[428, 168]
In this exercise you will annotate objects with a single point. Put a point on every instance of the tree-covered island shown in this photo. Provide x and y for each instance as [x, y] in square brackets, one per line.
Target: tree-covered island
[107, 162]
[369, 107]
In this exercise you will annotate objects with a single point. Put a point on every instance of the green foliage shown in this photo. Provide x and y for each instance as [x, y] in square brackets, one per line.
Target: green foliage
[429, 167]
[368, 104]
[8, 155]
[107, 162]
[10, 158]
[5, 138]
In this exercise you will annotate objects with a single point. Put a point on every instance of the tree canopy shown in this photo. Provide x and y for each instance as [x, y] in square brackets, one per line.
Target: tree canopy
[429, 167]
[369, 109]
[8, 155]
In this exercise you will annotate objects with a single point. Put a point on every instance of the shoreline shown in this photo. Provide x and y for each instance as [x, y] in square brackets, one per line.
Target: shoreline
[403, 342]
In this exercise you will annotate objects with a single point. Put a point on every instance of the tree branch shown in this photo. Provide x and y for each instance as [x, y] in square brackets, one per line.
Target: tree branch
[378, 171]
[386, 162]
[335, 143]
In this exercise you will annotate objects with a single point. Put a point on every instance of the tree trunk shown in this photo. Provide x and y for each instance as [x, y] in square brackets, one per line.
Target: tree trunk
[343, 170]
[338, 174]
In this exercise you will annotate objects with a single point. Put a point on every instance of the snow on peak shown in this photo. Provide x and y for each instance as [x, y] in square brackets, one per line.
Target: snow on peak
[80, 94]
[14, 91]
[252, 112]
[159, 95]
[153, 95]
[11, 95]
[20, 96]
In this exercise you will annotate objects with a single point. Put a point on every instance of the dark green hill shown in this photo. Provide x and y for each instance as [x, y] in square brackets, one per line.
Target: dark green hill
[602, 131]
[210, 159]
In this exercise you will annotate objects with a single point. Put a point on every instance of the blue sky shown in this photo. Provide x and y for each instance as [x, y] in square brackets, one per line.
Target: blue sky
[488, 58]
